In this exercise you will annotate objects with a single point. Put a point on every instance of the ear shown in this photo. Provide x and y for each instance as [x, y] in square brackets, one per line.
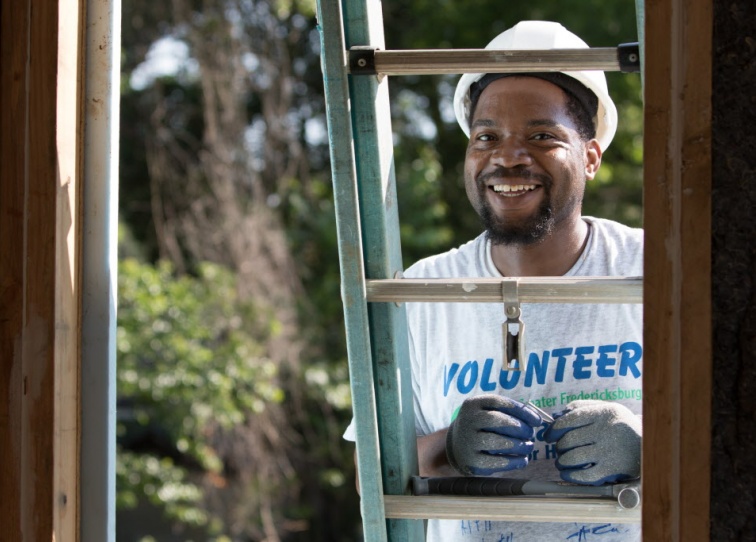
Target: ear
[592, 159]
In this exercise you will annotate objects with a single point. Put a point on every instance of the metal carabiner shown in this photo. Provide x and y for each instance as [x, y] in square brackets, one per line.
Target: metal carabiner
[513, 329]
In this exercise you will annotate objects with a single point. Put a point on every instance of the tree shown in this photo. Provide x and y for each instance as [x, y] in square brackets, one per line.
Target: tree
[191, 372]
[216, 147]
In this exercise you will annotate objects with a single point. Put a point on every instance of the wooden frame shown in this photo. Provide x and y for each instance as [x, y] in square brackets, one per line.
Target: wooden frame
[41, 82]
[40, 195]
[677, 375]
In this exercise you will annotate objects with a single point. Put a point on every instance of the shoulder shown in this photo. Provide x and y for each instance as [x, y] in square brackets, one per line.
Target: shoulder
[618, 248]
[618, 235]
[612, 231]
[464, 260]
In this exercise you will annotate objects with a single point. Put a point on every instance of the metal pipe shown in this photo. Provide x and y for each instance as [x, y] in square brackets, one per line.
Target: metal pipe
[367, 60]
[530, 290]
[453, 61]
[99, 270]
[627, 494]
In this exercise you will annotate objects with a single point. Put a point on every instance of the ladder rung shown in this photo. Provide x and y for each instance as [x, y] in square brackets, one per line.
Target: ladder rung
[529, 289]
[538, 509]
[368, 60]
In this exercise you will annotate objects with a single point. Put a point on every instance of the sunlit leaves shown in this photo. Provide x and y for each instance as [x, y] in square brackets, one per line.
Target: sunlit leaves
[190, 363]
[162, 483]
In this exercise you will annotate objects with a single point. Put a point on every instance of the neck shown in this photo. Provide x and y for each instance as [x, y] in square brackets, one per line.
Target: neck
[551, 257]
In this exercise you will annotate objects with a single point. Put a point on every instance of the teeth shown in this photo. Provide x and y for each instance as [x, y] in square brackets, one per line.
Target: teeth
[513, 187]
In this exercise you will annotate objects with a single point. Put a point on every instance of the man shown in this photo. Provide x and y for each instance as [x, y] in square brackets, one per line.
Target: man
[535, 140]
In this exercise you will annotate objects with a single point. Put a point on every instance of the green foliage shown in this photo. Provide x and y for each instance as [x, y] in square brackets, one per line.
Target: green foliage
[284, 8]
[162, 483]
[616, 192]
[190, 365]
[424, 215]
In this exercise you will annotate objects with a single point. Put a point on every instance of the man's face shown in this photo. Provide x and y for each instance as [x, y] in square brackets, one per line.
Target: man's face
[526, 165]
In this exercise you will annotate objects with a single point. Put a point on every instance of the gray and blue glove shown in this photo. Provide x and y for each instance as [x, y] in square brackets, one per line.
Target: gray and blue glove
[596, 442]
[491, 434]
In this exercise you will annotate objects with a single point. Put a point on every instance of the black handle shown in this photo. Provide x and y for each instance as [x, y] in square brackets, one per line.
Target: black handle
[468, 485]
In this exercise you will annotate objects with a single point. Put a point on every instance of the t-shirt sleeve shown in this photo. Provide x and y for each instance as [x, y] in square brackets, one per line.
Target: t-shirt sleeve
[349, 433]
[421, 425]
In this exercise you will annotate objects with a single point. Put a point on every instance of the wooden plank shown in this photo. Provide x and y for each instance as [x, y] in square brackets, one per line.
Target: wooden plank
[70, 89]
[37, 340]
[539, 509]
[14, 35]
[454, 61]
[677, 323]
[530, 290]
[39, 231]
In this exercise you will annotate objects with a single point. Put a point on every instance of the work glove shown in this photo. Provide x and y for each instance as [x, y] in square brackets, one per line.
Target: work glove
[491, 434]
[596, 442]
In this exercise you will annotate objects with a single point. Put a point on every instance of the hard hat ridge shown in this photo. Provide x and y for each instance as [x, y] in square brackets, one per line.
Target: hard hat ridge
[529, 35]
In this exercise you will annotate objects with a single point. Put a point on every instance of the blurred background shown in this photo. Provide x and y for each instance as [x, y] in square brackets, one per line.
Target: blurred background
[233, 389]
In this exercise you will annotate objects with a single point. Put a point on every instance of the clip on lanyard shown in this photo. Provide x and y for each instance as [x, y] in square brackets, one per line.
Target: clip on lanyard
[513, 329]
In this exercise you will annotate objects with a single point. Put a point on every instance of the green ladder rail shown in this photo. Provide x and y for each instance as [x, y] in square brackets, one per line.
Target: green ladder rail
[354, 66]
[366, 208]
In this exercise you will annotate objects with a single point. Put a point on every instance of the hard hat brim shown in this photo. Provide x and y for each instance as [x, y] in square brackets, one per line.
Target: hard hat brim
[530, 35]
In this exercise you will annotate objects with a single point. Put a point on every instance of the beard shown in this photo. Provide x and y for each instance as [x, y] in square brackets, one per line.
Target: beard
[525, 232]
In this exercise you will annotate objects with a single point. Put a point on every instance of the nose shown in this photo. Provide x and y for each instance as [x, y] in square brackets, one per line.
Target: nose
[511, 152]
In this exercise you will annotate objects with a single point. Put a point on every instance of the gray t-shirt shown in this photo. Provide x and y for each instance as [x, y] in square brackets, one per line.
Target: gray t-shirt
[573, 351]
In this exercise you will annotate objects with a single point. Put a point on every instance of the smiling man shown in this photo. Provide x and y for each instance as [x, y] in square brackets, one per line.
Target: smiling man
[525, 172]
[536, 139]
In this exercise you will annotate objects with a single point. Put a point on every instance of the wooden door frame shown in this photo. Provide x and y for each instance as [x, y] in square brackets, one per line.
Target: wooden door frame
[40, 231]
[58, 147]
[40, 274]
[677, 377]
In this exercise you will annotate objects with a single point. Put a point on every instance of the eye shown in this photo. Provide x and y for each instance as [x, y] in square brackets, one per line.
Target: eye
[542, 136]
[484, 137]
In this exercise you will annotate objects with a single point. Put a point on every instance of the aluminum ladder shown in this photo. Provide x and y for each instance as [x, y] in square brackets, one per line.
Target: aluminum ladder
[355, 68]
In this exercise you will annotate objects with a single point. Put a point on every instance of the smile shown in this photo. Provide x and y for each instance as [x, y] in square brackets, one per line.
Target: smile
[513, 190]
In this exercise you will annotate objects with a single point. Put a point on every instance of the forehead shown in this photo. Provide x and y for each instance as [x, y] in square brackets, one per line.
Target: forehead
[517, 97]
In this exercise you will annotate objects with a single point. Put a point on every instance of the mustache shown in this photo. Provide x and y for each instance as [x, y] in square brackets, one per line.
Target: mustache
[500, 172]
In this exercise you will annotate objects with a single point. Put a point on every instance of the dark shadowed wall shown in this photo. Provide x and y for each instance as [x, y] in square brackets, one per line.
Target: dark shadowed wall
[733, 503]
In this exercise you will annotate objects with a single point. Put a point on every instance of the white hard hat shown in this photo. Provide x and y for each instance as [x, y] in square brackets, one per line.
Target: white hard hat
[544, 35]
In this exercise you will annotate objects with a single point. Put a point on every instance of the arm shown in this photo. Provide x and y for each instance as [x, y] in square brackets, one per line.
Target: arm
[431, 455]
[491, 434]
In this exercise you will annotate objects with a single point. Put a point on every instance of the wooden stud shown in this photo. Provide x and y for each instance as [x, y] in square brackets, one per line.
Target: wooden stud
[69, 142]
[677, 322]
[39, 231]
[14, 35]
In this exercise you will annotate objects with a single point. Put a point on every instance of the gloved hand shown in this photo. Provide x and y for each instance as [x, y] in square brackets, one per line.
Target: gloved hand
[597, 442]
[491, 434]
